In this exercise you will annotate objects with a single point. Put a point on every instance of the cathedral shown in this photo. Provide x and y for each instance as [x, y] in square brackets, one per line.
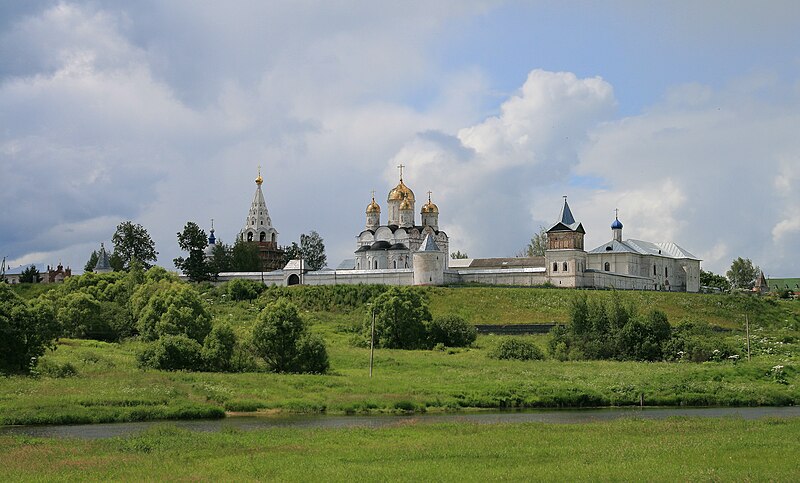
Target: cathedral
[391, 245]
[407, 251]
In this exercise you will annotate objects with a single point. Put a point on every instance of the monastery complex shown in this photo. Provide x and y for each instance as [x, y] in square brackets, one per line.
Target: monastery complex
[403, 250]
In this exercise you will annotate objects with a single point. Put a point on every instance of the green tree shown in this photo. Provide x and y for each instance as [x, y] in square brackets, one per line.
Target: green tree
[174, 309]
[132, 242]
[457, 255]
[291, 252]
[117, 263]
[281, 338]
[244, 257]
[537, 245]
[30, 275]
[26, 331]
[218, 348]
[451, 331]
[172, 353]
[743, 273]
[710, 279]
[221, 259]
[89, 267]
[313, 248]
[193, 240]
[81, 315]
[401, 315]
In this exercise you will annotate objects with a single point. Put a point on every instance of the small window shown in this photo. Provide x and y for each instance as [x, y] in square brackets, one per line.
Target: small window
[565, 267]
[395, 264]
[654, 270]
[376, 264]
[555, 266]
[607, 267]
[666, 273]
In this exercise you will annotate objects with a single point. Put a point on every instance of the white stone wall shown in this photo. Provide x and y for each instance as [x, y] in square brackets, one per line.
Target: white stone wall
[509, 276]
[429, 268]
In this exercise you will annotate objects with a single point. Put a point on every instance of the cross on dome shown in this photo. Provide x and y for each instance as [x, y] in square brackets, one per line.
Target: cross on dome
[401, 166]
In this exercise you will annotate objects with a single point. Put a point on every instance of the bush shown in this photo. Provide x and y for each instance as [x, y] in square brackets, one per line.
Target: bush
[696, 342]
[451, 331]
[240, 289]
[218, 348]
[172, 353]
[174, 309]
[26, 331]
[54, 370]
[281, 338]
[516, 348]
[401, 315]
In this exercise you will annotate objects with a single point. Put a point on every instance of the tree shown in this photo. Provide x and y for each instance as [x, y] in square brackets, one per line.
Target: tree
[537, 245]
[193, 240]
[709, 279]
[221, 259]
[30, 275]
[451, 331]
[26, 331]
[244, 257]
[743, 273]
[457, 255]
[313, 249]
[132, 242]
[281, 338]
[174, 309]
[89, 267]
[218, 348]
[401, 315]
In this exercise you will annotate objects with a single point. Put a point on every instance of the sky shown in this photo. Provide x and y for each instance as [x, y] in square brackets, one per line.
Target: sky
[683, 115]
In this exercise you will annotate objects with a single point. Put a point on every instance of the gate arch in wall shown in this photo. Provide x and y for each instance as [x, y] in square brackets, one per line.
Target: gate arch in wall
[293, 279]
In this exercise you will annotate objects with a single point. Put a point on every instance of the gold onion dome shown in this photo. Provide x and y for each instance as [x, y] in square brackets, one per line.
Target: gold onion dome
[401, 192]
[373, 207]
[405, 205]
[430, 207]
[259, 179]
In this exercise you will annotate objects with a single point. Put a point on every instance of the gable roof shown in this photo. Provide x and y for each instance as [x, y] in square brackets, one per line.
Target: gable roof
[640, 247]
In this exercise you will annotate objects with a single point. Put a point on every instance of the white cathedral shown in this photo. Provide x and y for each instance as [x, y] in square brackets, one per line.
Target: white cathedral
[402, 252]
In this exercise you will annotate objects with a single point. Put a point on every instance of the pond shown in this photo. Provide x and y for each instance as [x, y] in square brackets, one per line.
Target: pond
[247, 423]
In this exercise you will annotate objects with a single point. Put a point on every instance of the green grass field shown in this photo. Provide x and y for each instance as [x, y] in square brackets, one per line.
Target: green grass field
[109, 387]
[678, 449]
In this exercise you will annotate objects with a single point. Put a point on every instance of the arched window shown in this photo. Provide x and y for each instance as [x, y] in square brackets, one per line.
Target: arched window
[262, 237]
[607, 267]
[666, 273]
[566, 269]
[555, 266]
[654, 270]
[250, 236]
[274, 238]
[395, 264]
[376, 264]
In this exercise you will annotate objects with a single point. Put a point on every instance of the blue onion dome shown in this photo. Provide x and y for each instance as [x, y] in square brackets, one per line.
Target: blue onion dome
[617, 225]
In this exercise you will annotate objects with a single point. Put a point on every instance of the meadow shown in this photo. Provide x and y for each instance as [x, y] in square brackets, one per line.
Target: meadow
[682, 449]
[104, 384]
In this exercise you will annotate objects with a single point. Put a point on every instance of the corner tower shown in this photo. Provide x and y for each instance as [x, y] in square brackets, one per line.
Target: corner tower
[565, 257]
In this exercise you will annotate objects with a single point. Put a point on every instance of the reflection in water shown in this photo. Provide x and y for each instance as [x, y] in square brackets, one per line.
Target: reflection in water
[246, 423]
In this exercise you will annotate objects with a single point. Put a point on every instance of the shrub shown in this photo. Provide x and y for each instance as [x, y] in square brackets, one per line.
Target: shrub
[516, 348]
[451, 331]
[26, 331]
[401, 314]
[176, 309]
[54, 370]
[281, 338]
[172, 353]
[218, 348]
[240, 289]
[81, 316]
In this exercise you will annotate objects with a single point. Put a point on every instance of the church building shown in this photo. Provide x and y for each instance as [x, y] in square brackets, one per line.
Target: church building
[258, 229]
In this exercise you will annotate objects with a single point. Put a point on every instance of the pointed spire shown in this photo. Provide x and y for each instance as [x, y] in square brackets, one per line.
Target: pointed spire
[211, 238]
[566, 214]
[429, 244]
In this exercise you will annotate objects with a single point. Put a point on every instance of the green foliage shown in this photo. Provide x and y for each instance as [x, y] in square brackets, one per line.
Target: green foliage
[221, 258]
[695, 341]
[536, 246]
[333, 298]
[81, 315]
[457, 255]
[743, 273]
[26, 331]
[401, 315]
[518, 349]
[311, 250]
[174, 309]
[244, 257]
[172, 353]
[709, 279]
[610, 330]
[132, 242]
[281, 338]
[47, 368]
[193, 240]
[241, 289]
[91, 263]
[30, 275]
[218, 348]
[451, 331]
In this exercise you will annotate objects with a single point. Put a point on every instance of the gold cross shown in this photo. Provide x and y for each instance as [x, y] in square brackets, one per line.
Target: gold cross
[429, 195]
[373, 195]
[401, 171]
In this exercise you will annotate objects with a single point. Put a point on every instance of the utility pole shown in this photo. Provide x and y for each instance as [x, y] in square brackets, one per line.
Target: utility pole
[747, 330]
[372, 342]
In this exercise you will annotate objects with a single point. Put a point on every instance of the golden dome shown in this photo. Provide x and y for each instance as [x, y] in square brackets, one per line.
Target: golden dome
[259, 180]
[401, 192]
[405, 205]
[373, 207]
[429, 207]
